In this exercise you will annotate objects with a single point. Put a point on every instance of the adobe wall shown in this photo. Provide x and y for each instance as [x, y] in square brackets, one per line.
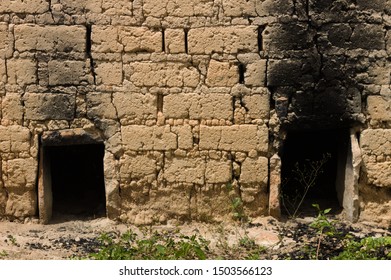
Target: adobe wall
[191, 96]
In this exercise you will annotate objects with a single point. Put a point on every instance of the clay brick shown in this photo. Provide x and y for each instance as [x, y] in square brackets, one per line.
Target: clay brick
[379, 108]
[12, 108]
[376, 5]
[24, 6]
[255, 74]
[212, 106]
[137, 167]
[368, 36]
[379, 73]
[239, 8]
[109, 73]
[139, 137]
[177, 106]
[174, 40]
[376, 142]
[20, 173]
[105, 39]
[232, 39]
[21, 71]
[99, 105]
[222, 74]
[155, 8]
[140, 39]
[128, 39]
[117, 7]
[46, 106]
[178, 8]
[162, 74]
[378, 174]
[68, 72]
[14, 139]
[287, 37]
[195, 106]
[274, 7]
[254, 171]
[218, 172]
[257, 106]
[189, 170]
[6, 41]
[210, 137]
[244, 138]
[21, 203]
[50, 38]
[82, 6]
[164, 138]
[185, 136]
[234, 138]
[339, 35]
[283, 72]
[135, 105]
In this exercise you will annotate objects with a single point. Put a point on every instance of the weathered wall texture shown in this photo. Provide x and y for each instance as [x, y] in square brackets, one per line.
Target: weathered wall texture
[191, 96]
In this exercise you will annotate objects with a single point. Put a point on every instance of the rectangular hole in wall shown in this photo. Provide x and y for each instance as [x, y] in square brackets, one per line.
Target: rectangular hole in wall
[242, 70]
[315, 160]
[77, 180]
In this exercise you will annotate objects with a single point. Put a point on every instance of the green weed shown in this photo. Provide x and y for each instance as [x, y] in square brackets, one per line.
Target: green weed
[369, 248]
[3, 254]
[12, 239]
[323, 226]
[158, 246]
[237, 206]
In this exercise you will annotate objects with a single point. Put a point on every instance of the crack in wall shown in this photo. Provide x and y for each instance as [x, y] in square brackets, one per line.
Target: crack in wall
[294, 11]
[159, 103]
[163, 40]
[88, 51]
[116, 112]
[260, 30]
[307, 9]
[50, 10]
[186, 35]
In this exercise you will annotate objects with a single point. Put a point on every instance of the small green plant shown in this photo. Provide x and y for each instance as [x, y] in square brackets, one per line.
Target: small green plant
[237, 206]
[12, 239]
[3, 254]
[368, 248]
[323, 226]
[158, 246]
[247, 242]
[306, 175]
[253, 250]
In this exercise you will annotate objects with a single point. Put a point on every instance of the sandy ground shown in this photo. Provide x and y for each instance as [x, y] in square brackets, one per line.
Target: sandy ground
[65, 238]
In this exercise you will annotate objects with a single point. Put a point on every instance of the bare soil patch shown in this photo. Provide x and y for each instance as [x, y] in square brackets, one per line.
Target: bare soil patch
[66, 238]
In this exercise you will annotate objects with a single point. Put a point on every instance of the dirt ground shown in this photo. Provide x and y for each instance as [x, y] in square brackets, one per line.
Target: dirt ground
[67, 238]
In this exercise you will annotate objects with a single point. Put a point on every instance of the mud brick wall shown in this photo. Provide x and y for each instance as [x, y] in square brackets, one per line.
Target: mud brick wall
[329, 68]
[190, 97]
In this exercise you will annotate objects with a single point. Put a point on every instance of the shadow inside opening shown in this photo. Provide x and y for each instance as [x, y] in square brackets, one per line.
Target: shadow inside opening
[313, 167]
[77, 180]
